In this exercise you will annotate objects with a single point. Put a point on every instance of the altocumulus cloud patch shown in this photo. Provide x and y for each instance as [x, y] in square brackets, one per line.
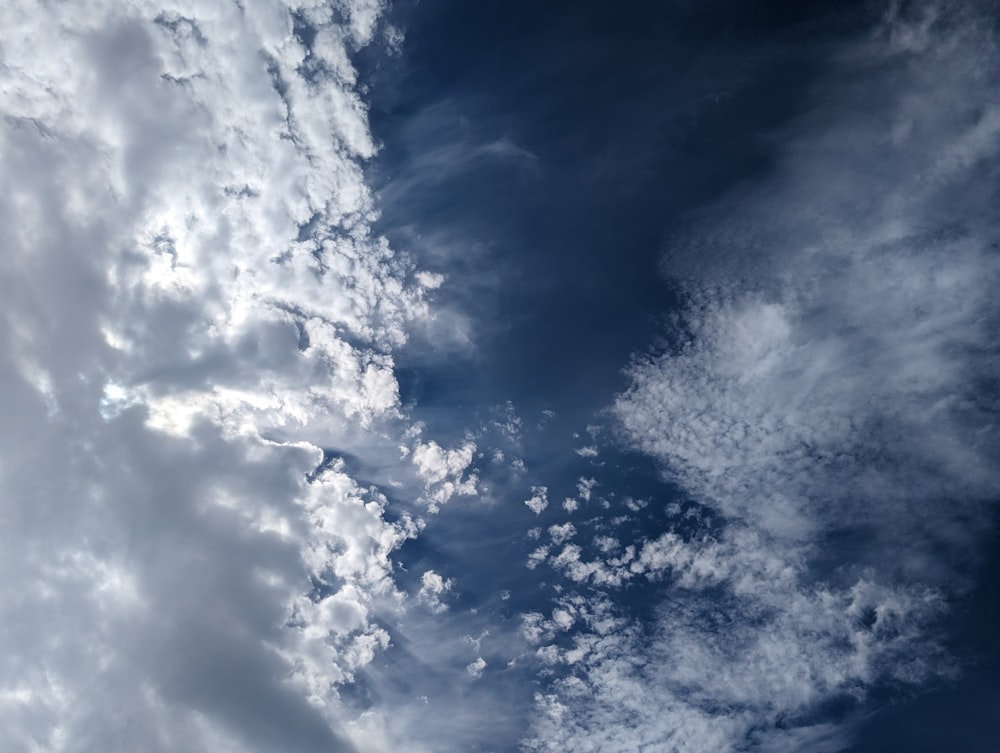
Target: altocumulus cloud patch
[825, 391]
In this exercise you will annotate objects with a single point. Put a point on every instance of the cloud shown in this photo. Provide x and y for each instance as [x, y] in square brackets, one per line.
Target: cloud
[448, 147]
[854, 365]
[194, 306]
[585, 487]
[432, 588]
[715, 673]
[562, 532]
[537, 556]
[827, 391]
[539, 499]
[476, 668]
[444, 471]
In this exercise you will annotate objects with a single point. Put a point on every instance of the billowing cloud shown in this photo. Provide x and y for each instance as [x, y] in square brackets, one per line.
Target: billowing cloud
[538, 500]
[444, 471]
[199, 342]
[194, 306]
[562, 532]
[476, 668]
[432, 588]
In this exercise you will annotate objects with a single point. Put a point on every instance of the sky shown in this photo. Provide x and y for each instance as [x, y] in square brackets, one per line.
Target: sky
[449, 377]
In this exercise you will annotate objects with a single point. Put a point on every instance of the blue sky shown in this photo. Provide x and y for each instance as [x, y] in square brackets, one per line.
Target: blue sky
[443, 376]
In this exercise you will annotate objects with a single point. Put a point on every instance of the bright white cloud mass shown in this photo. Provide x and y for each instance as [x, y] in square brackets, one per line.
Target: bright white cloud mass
[194, 304]
[224, 527]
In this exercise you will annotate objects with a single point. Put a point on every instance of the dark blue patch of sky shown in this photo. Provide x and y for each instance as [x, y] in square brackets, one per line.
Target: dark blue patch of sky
[540, 154]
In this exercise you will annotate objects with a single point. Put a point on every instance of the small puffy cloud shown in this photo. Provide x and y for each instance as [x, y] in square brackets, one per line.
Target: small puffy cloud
[429, 280]
[562, 532]
[508, 423]
[539, 499]
[195, 303]
[535, 628]
[476, 668]
[606, 544]
[433, 587]
[436, 464]
[563, 619]
[635, 505]
[444, 471]
[585, 487]
[830, 379]
[537, 556]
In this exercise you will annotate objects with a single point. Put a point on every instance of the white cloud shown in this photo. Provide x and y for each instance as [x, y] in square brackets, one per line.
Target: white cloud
[476, 668]
[562, 532]
[194, 304]
[444, 471]
[537, 556]
[710, 679]
[563, 618]
[539, 499]
[606, 544]
[433, 587]
[826, 383]
[585, 487]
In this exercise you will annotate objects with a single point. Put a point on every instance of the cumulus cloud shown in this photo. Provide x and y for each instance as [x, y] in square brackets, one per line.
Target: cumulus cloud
[585, 487]
[855, 366]
[537, 556]
[432, 588]
[476, 668]
[444, 471]
[828, 392]
[194, 306]
[562, 532]
[539, 499]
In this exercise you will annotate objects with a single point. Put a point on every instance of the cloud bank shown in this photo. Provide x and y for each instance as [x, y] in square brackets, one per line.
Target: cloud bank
[194, 306]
